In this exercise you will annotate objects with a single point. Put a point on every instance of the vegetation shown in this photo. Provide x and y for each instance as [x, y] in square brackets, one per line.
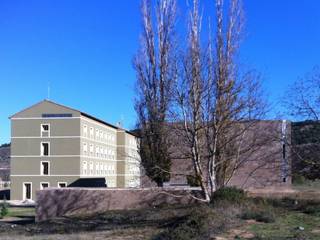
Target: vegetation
[229, 218]
[4, 209]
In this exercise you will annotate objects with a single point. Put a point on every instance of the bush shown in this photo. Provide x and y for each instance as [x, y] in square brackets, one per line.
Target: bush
[230, 194]
[4, 209]
[265, 216]
[195, 226]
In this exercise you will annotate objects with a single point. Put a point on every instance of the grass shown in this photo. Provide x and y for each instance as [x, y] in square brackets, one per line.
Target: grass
[287, 227]
[20, 212]
[259, 218]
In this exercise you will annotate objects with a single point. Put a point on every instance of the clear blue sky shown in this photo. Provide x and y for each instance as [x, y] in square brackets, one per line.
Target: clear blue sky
[84, 50]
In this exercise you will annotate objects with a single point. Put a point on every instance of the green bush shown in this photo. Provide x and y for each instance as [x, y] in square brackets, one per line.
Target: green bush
[298, 179]
[230, 194]
[4, 208]
[266, 216]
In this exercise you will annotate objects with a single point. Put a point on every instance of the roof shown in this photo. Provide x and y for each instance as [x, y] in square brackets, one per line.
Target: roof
[82, 113]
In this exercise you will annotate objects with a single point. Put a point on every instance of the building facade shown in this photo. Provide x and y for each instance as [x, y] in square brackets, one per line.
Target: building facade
[56, 146]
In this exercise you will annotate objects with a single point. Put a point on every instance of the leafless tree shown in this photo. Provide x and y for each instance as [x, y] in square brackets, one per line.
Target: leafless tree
[302, 100]
[155, 65]
[218, 104]
[302, 103]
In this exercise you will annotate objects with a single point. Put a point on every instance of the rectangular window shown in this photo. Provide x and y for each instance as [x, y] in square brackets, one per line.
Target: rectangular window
[97, 134]
[84, 167]
[85, 148]
[97, 168]
[85, 130]
[45, 168]
[27, 191]
[45, 130]
[62, 184]
[97, 151]
[45, 149]
[101, 168]
[101, 135]
[101, 152]
[91, 133]
[91, 168]
[91, 149]
[44, 185]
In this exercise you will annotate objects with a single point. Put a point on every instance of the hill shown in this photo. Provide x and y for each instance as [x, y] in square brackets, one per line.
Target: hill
[5, 162]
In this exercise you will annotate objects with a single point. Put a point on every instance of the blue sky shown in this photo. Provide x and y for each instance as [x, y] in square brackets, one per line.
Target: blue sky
[84, 49]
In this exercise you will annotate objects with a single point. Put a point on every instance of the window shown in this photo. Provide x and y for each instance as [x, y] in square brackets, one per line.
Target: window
[44, 185]
[45, 149]
[62, 184]
[101, 152]
[91, 168]
[45, 130]
[84, 167]
[97, 168]
[97, 151]
[27, 191]
[101, 135]
[85, 130]
[97, 134]
[91, 149]
[85, 148]
[101, 168]
[91, 133]
[45, 168]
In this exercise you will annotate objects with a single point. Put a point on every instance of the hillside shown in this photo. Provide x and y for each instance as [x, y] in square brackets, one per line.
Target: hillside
[5, 162]
[306, 148]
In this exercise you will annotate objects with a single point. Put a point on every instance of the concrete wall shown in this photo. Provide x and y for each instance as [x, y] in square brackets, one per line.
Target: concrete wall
[52, 203]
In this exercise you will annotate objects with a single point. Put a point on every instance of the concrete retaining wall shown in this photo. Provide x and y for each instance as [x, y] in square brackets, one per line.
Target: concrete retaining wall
[57, 202]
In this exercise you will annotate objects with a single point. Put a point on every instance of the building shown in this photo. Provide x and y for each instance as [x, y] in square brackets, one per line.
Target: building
[56, 146]
[264, 158]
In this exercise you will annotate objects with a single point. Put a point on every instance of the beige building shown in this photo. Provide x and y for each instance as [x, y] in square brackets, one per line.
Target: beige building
[56, 146]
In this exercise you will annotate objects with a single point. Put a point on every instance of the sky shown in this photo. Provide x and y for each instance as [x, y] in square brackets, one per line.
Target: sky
[83, 51]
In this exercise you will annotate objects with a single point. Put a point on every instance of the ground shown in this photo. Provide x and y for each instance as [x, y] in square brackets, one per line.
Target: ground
[248, 218]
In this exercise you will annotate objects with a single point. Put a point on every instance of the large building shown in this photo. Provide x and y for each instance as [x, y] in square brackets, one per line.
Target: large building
[56, 146]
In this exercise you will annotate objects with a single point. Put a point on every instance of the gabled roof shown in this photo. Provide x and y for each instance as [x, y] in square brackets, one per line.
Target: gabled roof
[81, 113]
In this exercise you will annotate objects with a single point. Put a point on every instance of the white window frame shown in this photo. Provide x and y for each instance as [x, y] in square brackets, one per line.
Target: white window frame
[85, 130]
[41, 168]
[42, 131]
[24, 190]
[84, 169]
[97, 168]
[58, 185]
[85, 148]
[91, 131]
[97, 134]
[41, 150]
[91, 167]
[41, 188]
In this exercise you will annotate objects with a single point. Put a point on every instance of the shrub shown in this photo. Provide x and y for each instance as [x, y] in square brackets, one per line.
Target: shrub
[266, 216]
[4, 208]
[230, 194]
[195, 226]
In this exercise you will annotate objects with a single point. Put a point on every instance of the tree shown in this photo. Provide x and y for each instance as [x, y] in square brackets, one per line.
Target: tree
[218, 105]
[155, 65]
[302, 102]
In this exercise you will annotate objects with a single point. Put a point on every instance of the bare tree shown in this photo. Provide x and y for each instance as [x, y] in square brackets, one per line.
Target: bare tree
[302, 100]
[302, 103]
[155, 65]
[218, 105]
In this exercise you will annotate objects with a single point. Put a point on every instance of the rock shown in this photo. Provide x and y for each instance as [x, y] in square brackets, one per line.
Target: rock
[300, 228]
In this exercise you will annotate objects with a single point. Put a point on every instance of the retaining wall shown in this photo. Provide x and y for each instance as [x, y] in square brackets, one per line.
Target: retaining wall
[57, 202]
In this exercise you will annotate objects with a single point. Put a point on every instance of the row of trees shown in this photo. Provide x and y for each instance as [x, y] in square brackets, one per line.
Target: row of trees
[195, 90]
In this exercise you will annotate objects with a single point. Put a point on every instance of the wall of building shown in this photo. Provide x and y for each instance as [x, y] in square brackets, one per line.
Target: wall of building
[26, 139]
